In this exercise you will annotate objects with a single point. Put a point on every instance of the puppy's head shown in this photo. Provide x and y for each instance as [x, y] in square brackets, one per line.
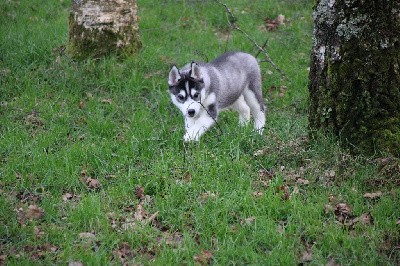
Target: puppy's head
[186, 89]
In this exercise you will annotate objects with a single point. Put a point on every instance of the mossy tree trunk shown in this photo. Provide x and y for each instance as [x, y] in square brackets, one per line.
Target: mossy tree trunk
[101, 27]
[355, 75]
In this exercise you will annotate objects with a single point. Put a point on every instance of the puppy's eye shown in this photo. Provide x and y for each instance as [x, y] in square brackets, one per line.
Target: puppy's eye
[196, 96]
[180, 97]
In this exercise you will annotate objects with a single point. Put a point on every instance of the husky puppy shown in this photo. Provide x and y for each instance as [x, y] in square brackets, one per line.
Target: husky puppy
[202, 90]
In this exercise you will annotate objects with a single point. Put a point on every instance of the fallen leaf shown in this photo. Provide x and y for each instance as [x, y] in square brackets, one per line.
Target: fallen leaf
[33, 119]
[139, 192]
[272, 24]
[91, 183]
[328, 208]
[67, 197]
[307, 256]
[234, 229]
[123, 253]
[261, 152]
[173, 239]
[281, 226]
[332, 198]
[38, 232]
[3, 259]
[34, 213]
[140, 213]
[286, 193]
[280, 19]
[152, 217]
[302, 181]
[343, 213]
[203, 197]
[81, 105]
[109, 101]
[398, 222]
[331, 262]
[204, 258]
[187, 177]
[257, 194]
[330, 174]
[374, 195]
[366, 219]
[248, 221]
[75, 263]
[87, 235]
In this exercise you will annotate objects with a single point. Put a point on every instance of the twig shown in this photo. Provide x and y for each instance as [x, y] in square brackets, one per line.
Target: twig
[232, 22]
[259, 51]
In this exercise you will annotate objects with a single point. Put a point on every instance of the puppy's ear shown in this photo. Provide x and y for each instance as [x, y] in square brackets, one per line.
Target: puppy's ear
[195, 72]
[174, 76]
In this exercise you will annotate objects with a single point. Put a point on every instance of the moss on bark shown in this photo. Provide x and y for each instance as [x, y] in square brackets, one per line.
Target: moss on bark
[111, 27]
[355, 77]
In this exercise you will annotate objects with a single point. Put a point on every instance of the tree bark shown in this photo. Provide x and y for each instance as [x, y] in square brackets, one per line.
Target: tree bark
[100, 27]
[354, 81]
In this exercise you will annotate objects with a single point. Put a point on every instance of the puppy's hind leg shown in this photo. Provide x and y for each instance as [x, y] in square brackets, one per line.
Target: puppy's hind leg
[243, 109]
[257, 108]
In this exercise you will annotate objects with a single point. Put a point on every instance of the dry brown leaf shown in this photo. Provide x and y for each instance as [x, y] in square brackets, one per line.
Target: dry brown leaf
[139, 192]
[140, 213]
[152, 217]
[307, 256]
[366, 219]
[332, 198]
[374, 195]
[280, 19]
[75, 263]
[38, 232]
[330, 174]
[234, 229]
[34, 213]
[261, 152]
[204, 258]
[257, 194]
[331, 262]
[286, 193]
[67, 196]
[91, 183]
[302, 181]
[248, 221]
[33, 119]
[123, 253]
[81, 105]
[187, 177]
[328, 208]
[3, 259]
[266, 174]
[343, 213]
[174, 239]
[109, 101]
[87, 235]
[205, 196]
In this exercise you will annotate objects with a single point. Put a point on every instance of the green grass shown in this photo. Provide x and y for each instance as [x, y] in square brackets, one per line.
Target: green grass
[112, 120]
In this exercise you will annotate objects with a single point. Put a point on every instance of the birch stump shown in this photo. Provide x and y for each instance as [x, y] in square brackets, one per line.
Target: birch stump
[101, 27]
[354, 81]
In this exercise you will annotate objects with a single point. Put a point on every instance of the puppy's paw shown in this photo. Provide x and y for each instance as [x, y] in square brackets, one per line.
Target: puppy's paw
[190, 136]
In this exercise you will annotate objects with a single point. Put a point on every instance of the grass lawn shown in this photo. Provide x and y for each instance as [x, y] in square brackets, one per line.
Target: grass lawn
[93, 168]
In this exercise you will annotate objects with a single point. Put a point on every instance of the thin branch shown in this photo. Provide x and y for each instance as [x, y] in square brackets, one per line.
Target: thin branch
[232, 22]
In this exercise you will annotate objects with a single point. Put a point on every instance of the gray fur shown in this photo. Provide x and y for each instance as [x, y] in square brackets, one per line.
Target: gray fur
[232, 80]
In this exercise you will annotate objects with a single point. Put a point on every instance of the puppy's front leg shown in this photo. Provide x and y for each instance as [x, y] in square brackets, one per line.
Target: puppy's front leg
[195, 128]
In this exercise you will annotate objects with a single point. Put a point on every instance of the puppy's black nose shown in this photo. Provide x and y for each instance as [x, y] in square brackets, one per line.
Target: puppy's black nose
[191, 112]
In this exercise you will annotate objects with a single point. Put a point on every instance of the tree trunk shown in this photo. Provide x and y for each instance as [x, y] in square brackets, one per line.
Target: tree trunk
[100, 27]
[354, 75]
